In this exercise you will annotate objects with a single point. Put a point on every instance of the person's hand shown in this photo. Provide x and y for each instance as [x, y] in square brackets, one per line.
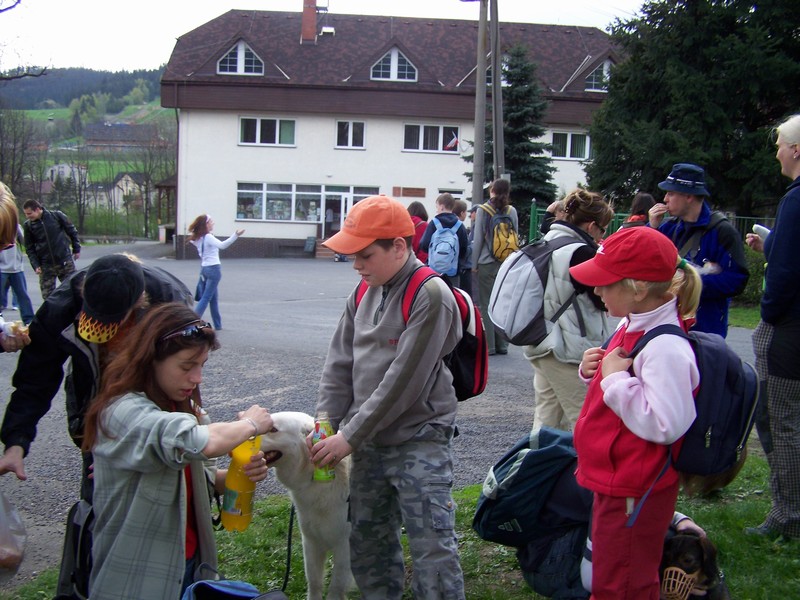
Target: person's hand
[14, 343]
[12, 462]
[329, 451]
[688, 525]
[754, 241]
[553, 207]
[615, 361]
[240, 232]
[260, 417]
[38, 270]
[257, 469]
[76, 256]
[656, 214]
[591, 361]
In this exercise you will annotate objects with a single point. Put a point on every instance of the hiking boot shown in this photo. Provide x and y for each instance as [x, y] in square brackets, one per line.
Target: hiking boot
[762, 530]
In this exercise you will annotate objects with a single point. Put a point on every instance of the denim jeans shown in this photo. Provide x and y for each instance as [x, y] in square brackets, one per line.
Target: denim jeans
[16, 281]
[212, 275]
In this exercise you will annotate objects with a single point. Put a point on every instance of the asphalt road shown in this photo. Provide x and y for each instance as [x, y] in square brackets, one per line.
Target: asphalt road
[278, 317]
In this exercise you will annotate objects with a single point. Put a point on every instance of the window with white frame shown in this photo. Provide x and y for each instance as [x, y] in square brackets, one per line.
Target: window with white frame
[570, 145]
[240, 60]
[266, 132]
[394, 66]
[349, 134]
[597, 81]
[431, 138]
[262, 201]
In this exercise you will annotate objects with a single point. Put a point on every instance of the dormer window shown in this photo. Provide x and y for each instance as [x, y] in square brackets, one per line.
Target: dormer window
[597, 81]
[394, 67]
[240, 60]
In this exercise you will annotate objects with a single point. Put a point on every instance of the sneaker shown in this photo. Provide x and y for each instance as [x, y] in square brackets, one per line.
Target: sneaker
[762, 530]
[503, 351]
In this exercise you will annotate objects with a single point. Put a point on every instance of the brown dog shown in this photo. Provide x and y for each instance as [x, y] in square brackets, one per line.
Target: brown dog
[696, 555]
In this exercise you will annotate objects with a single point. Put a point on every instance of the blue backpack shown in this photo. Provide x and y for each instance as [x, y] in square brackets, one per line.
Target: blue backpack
[726, 402]
[444, 248]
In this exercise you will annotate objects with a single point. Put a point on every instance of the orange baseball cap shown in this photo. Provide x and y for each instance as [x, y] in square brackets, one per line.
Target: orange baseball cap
[373, 218]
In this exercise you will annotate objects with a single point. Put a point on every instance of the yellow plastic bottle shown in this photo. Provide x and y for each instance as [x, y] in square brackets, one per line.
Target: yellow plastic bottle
[322, 430]
[237, 504]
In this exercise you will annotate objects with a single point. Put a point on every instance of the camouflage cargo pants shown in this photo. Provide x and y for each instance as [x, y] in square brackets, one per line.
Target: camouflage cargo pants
[406, 485]
[47, 278]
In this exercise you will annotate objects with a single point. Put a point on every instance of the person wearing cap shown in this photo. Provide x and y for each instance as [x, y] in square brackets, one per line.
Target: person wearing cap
[85, 320]
[390, 397]
[635, 408]
[48, 235]
[706, 239]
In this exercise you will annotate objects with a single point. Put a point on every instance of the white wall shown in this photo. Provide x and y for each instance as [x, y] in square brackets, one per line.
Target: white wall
[211, 163]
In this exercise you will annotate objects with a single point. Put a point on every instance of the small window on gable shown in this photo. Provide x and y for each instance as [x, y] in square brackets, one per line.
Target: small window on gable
[394, 66]
[240, 60]
[597, 81]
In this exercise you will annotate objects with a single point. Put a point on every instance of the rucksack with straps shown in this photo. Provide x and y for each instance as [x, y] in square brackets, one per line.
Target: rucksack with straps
[502, 236]
[444, 248]
[518, 486]
[516, 305]
[469, 360]
[725, 401]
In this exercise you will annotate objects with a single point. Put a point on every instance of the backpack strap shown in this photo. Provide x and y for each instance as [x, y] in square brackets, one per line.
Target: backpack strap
[418, 278]
[437, 223]
[694, 240]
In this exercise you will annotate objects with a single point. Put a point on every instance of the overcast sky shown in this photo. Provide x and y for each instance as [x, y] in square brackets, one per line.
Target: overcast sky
[114, 35]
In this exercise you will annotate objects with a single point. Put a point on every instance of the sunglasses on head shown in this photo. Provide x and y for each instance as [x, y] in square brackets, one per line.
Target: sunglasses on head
[191, 329]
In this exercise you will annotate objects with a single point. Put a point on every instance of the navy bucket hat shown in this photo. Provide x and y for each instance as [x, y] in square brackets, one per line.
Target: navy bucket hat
[685, 178]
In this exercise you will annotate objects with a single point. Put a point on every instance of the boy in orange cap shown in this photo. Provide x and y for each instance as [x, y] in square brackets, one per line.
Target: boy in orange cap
[390, 397]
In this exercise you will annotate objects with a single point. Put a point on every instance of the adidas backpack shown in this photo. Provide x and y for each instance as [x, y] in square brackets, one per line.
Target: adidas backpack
[516, 305]
[444, 248]
[502, 235]
[469, 360]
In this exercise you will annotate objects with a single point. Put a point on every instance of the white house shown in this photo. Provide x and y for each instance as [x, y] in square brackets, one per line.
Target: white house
[286, 119]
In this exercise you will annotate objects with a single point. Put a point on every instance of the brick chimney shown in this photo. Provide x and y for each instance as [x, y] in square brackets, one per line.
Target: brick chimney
[308, 27]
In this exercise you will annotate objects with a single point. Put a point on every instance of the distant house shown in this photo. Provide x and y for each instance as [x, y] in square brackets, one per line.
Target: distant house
[129, 189]
[119, 137]
[66, 171]
[288, 118]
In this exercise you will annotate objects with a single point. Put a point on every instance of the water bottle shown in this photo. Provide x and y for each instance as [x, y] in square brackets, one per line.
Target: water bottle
[322, 430]
[237, 504]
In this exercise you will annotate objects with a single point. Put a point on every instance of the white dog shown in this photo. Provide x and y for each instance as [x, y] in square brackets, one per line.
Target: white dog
[321, 505]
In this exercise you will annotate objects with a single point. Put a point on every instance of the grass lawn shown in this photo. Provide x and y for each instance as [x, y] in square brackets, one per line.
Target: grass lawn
[755, 569]
[744, 316]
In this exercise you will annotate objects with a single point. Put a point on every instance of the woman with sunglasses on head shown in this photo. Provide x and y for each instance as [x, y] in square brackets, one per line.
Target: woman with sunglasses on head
[208, 247]
[584, 324]
[152, 444]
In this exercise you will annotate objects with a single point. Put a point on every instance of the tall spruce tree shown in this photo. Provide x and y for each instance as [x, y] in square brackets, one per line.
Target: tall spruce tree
[701, 81]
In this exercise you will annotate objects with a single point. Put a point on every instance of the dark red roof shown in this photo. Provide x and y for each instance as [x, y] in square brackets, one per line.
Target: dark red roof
[443, 51]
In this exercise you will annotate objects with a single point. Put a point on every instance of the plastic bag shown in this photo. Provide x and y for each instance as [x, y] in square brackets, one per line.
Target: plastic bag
[12, 540]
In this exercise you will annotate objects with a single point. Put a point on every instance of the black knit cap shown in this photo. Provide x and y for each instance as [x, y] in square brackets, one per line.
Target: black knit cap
[111, 289]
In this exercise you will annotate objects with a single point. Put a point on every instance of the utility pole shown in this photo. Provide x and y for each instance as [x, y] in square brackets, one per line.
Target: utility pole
[480, 109]
[497, 96]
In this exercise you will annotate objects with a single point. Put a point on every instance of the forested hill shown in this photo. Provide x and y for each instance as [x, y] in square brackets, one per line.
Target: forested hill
[58, 87]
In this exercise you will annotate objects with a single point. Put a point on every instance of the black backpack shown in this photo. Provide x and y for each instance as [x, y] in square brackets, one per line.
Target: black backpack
[519, 485]
[76, 557]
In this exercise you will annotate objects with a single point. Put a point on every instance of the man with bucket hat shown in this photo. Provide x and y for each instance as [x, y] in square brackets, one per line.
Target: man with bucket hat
[85, 320]
[706, 239]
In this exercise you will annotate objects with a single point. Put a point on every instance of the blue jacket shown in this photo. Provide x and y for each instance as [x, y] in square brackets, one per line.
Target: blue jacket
[722, 245]
[781, 297]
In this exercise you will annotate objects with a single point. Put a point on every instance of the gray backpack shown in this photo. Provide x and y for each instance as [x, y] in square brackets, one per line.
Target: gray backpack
[516, 305]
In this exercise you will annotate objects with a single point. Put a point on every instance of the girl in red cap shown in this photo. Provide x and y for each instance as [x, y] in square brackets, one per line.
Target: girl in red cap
[635, 408]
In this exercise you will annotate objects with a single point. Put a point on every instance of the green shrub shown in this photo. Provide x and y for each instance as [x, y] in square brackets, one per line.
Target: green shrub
[751, 296]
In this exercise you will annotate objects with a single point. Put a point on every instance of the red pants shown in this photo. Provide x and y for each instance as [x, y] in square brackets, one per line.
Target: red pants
[625, 560]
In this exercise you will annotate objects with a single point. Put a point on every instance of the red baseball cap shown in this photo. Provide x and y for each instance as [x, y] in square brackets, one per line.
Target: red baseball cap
[633, 253]
[373, 218]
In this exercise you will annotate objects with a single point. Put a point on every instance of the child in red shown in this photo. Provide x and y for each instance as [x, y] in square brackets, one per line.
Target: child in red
[635, 408]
